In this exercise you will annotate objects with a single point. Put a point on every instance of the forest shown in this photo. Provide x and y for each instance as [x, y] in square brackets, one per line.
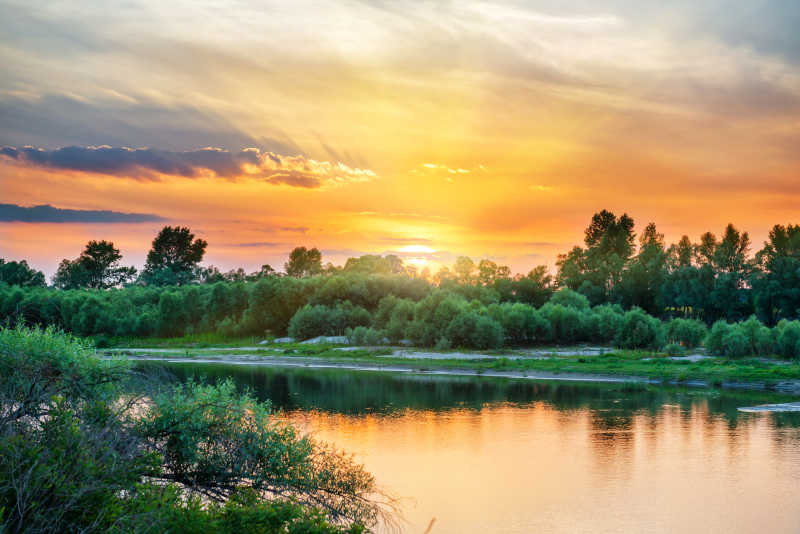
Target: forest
[630, 291]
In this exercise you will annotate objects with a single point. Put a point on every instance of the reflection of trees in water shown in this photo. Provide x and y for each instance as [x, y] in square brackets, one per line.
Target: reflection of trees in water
[612, 406]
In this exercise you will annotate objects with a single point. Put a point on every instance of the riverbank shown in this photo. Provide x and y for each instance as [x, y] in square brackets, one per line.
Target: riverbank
[536, 364]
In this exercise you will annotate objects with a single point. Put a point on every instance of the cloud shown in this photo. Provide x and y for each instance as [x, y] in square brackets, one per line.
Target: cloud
[46, 213]
[150, 164]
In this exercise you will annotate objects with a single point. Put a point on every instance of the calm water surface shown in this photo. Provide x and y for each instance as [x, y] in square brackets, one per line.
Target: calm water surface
[516, 456]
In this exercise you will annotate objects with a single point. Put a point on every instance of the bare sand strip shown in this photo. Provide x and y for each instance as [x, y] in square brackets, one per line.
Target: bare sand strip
[782, 407]
[316, 363]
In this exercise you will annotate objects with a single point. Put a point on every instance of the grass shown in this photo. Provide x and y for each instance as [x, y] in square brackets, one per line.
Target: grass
[627, 363]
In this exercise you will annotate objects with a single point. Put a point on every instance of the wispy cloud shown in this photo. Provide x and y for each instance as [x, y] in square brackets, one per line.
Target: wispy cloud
[151, 164]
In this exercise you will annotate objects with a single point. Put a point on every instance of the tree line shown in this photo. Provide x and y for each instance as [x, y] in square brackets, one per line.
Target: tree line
[615, 279]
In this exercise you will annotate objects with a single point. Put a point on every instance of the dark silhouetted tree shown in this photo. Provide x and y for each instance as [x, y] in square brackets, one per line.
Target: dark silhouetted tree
[304, 262]
[18, 273]
[96, 268]
[174, 258]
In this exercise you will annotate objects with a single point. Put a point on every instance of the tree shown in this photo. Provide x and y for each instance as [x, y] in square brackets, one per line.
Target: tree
[776, 285]
[174, 257]
[18, 273]
[595, 270]
[304, 262]
[642, 280]
[96, 268]
[464, 270]
[373, 264]
[535, 288]
[681, 253]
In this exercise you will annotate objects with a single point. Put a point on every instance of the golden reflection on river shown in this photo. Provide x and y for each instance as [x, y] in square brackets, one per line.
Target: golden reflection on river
[534, 468]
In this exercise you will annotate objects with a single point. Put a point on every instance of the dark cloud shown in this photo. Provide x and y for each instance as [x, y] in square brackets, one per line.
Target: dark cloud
[148, 163]
[50, 214]
[54, 120]
[298, 229]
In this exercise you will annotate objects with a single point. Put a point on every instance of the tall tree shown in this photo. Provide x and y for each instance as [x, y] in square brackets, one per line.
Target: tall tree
[641, 281]
[776, 285]
[98, 267]
[595, 270]
[304, 262]
[174, 257]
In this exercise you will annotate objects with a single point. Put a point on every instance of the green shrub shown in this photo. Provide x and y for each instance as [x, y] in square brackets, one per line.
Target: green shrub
[788, 338]
[569, 298]
[640, 331]
[566, 325]
[674, 349]
[713, 342]
[735, 343]
[361, 335]
[604, 322]
[687, 332]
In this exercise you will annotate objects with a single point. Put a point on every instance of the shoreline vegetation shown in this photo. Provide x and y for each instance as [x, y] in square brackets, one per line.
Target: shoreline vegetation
[93, 445]
[619, 289]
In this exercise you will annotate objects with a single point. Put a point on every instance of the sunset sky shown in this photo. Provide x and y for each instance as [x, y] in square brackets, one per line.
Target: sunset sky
[428, 129]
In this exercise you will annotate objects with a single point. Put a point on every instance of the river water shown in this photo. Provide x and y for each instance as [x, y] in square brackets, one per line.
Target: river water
[483, 455]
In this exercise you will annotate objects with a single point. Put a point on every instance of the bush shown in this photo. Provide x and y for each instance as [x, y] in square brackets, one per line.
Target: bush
[605, 321]
[788, 338]
[468, 329]
[713, 343]
[687, 332]
[569, 298]
[361, 335]
[640, 331]
[674, 349]
[735, 343]
[566, 324]
[320, 320]
[77, 456]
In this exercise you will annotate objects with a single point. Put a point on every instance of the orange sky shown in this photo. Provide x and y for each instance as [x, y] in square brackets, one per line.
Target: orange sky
[486, 129]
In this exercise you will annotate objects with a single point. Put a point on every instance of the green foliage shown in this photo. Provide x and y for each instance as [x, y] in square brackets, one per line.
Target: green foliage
[714, 343]
[363, 336]
[674, 349]
[469, 329]
[304, 262]
[569, 298]
[689, 333]
[18, 273]
[311, 321]
[97, 267]
[788, 338]
[746, 338]
[174, 258]
[640, 331]
[734, 343]
[81, 452]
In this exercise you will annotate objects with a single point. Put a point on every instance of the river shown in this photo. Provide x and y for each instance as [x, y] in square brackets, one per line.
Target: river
[489, 455]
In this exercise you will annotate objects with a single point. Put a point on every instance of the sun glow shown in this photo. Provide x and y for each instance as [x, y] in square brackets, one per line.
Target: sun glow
[419, 263]
[417, 249]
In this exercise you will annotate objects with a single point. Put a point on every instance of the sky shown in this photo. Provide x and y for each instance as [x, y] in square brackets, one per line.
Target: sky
[429, 129]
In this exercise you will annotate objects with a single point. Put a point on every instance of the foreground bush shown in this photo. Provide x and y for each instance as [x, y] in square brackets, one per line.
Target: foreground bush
[87, 446]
